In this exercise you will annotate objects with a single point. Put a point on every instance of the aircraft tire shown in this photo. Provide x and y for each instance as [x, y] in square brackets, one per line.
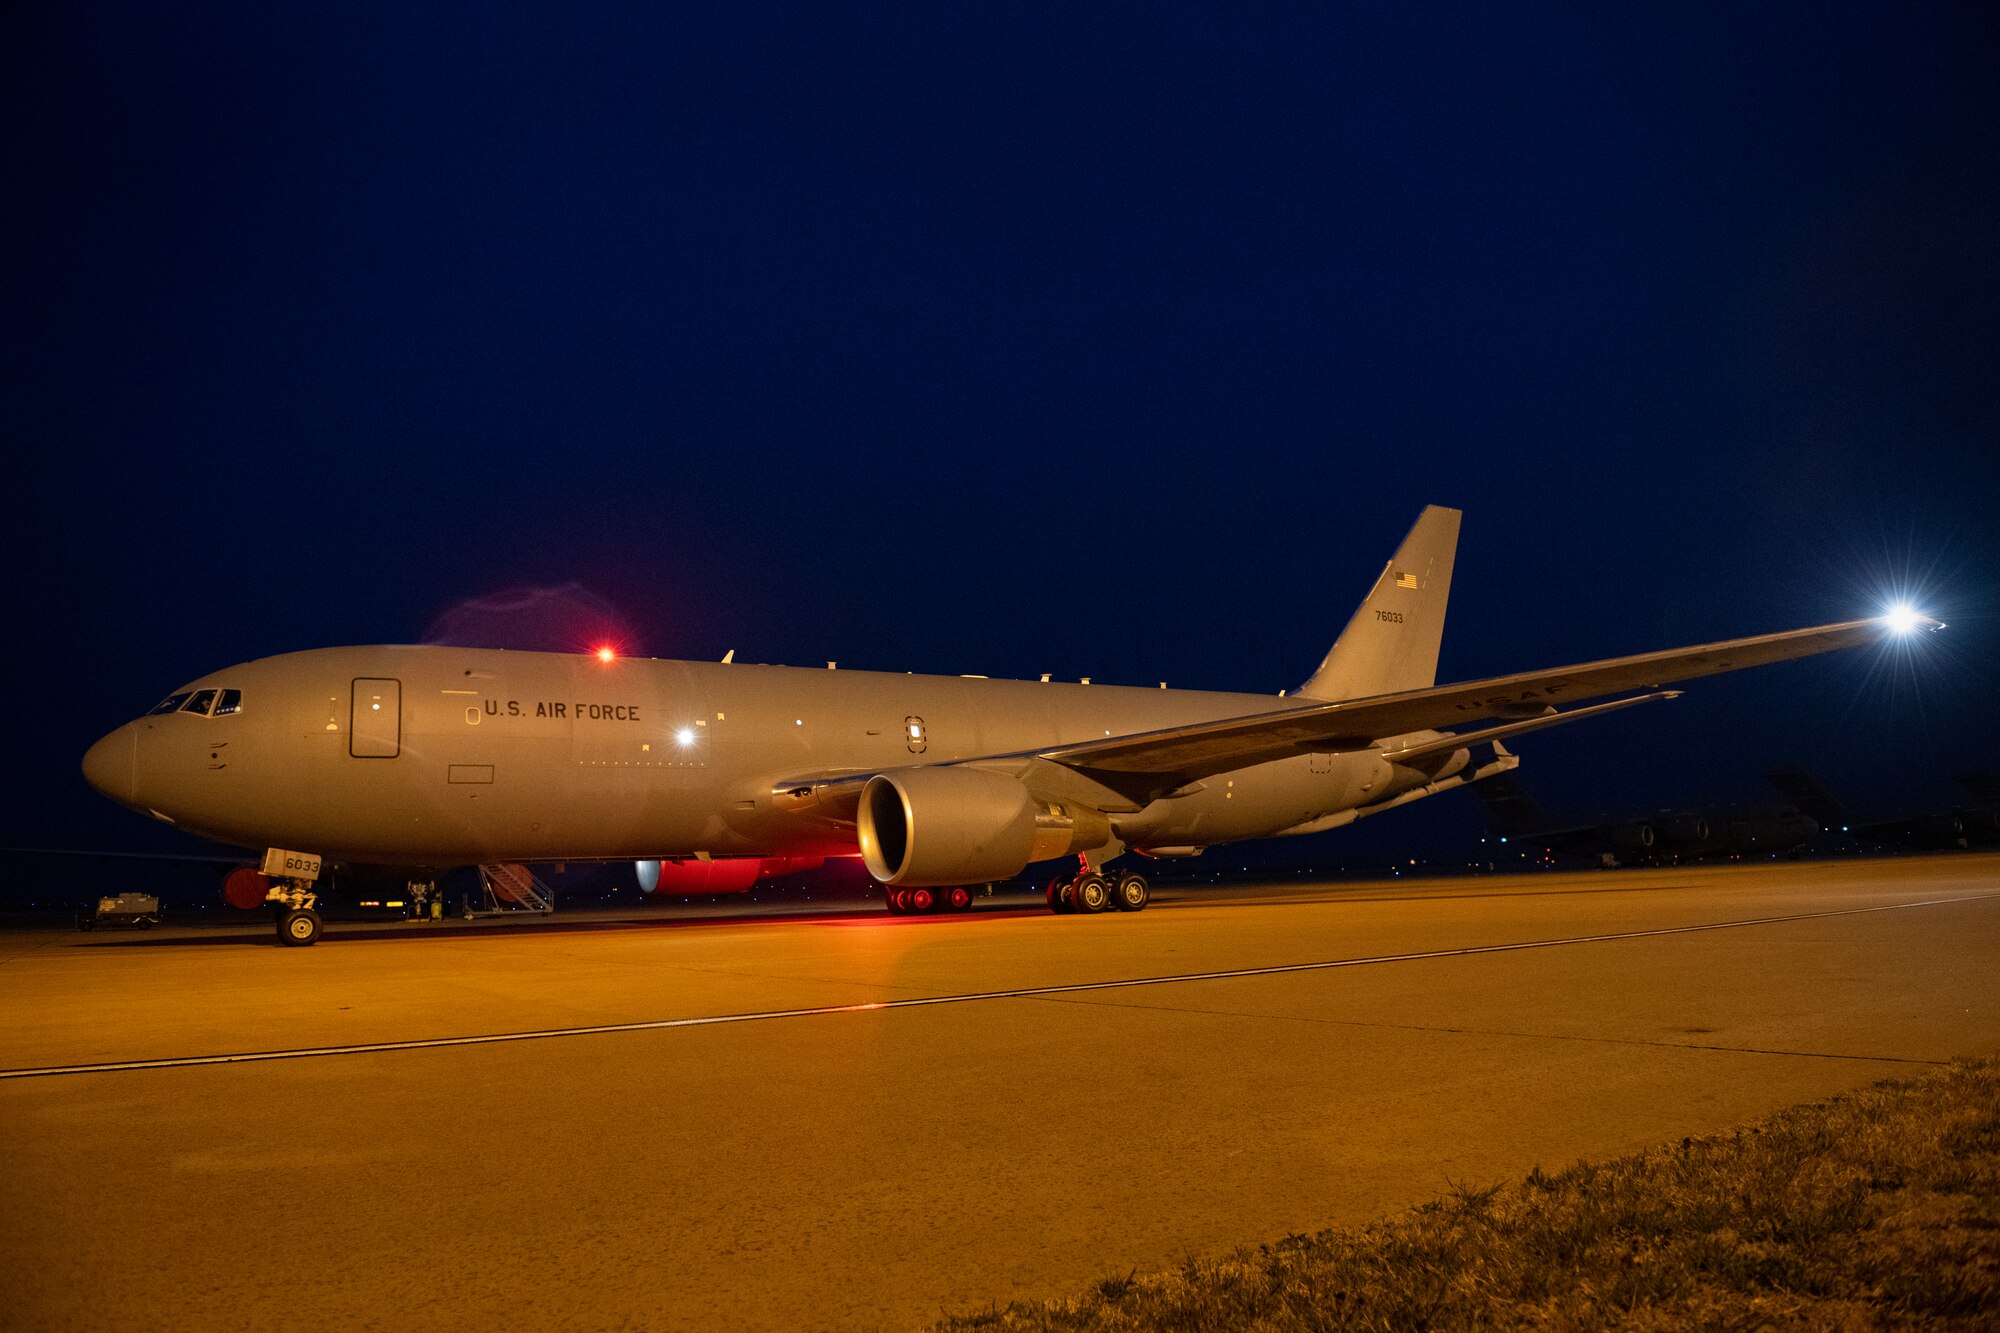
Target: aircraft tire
[1091, 894]
[299, 927]
[923, 900]
[1059, 898]
[958, 898]
[1131, 893]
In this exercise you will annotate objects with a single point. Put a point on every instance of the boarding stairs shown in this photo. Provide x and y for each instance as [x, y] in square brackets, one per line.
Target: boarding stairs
[510, 888]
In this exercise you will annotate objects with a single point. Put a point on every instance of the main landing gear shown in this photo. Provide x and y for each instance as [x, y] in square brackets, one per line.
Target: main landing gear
[922, 901]
[1091, 893]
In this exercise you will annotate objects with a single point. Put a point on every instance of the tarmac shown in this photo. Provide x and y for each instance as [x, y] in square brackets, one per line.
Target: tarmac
[846, 1120]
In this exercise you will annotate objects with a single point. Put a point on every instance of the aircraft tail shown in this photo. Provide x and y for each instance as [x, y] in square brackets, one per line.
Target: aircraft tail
[1510, 811]
[1803, 790]
[1391, 644]
[1983, 785]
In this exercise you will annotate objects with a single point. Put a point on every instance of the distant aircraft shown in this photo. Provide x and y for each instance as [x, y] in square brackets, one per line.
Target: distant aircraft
[439, 756]
[1946, 830]
[1666, 837]
[1983, 785]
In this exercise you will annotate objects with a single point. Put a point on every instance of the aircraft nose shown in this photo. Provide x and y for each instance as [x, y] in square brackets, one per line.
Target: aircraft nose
[112, 765]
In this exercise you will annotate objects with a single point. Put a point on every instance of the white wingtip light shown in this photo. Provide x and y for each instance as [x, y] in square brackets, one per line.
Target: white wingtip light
[1902, 618]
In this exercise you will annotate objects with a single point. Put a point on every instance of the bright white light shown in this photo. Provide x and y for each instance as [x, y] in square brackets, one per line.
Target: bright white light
[684, 737]
[1902, 618]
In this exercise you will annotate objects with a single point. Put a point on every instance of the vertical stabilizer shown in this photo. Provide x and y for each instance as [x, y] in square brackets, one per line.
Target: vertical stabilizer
[1391, 644]
[1510, 811]
[1808, 797]
[1984, 785]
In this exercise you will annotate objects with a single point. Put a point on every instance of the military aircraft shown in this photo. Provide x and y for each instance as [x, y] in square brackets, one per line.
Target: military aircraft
[1960, 827]
[1664, 837]
[432, 756]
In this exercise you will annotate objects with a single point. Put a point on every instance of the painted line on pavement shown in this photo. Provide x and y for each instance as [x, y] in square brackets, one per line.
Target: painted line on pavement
[1016, 993]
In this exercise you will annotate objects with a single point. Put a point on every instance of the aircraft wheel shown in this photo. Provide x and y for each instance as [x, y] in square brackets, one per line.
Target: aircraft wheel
[889, 900]
[958, 898]
[923, 900]
[1091, 894]
[1060, 901]
[298, 927]
[1131, 893]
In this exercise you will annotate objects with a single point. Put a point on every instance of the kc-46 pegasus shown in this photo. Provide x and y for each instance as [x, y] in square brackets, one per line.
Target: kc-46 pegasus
[430, 757]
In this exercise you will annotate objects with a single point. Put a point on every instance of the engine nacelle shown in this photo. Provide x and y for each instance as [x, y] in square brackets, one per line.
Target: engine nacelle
[1682, 830]
[1630, 837]
[923, 826]
[1938, 831]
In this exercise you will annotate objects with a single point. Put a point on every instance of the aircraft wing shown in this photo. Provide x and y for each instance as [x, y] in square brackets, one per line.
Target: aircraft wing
[1160, 760]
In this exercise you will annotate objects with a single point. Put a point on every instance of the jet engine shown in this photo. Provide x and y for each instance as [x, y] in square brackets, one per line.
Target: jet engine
[1682, 830]
[923, 826]
[1630, 837]
[1939, 831]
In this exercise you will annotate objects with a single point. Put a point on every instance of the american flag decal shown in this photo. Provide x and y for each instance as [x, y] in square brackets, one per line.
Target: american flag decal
[1405, 580]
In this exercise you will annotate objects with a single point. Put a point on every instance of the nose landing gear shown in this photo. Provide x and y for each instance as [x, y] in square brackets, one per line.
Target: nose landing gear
[298, 919]
[298, 927]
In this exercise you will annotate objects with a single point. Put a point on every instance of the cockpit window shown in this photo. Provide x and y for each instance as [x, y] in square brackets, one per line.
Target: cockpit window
[230, 702]
[199, 702]
[169, 704]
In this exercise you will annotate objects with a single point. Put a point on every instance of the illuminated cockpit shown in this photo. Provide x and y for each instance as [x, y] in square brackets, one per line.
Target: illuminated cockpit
[202, 703]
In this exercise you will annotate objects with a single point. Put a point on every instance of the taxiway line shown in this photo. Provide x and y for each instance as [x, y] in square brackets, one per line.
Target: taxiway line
[1013, 993]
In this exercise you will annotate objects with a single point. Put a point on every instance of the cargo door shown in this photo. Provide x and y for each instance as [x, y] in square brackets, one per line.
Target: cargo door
[375, 726]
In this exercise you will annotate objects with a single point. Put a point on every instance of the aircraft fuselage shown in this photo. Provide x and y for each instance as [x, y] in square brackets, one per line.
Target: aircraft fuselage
[439, 755]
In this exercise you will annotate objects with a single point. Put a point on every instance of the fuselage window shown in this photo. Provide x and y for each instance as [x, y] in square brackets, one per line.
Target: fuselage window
[170, 704]
[199, 702]
[231, 701]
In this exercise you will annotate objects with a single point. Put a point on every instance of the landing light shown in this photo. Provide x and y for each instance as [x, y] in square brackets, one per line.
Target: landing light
[684, 737]
[1902, 618]
[606, 653]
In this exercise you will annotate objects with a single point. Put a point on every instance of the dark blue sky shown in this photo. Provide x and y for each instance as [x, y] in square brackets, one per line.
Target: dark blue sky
[1108, 342]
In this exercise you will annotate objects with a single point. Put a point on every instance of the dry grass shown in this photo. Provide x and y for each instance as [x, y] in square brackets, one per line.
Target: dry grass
[1879, 1209]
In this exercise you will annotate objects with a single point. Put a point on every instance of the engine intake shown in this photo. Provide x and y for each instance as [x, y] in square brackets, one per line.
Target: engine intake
[922, 826]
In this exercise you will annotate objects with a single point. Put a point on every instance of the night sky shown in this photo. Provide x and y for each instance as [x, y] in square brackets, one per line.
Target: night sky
[998, 339]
